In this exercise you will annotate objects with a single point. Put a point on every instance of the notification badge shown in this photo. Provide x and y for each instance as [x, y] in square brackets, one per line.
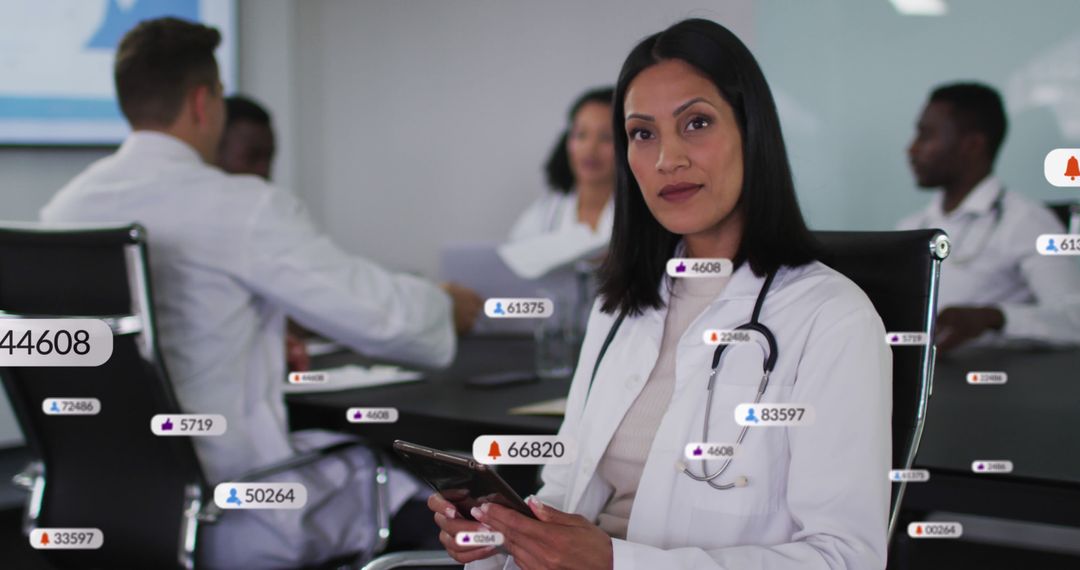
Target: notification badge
[1062, 167]
[935, 530]
[66, 538]
[987, 378]
[913, 338]
[478, 538]
[522, 450]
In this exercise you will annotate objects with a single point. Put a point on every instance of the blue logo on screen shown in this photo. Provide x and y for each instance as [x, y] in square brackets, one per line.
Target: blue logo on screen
[119, 20]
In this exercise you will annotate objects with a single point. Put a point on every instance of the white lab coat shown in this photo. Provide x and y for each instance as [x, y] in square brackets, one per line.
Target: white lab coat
[995, 263]
[818, 495]
[554, 212]
[230, 256]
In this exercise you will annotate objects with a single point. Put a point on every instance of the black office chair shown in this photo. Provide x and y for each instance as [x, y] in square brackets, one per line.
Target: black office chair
[108, 471]
[899, 272]
[1068, 213]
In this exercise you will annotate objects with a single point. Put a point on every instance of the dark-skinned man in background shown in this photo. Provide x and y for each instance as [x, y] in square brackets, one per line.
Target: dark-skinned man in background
[995, 287]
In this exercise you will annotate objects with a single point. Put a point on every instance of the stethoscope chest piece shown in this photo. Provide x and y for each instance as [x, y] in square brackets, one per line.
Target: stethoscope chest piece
[768, 363]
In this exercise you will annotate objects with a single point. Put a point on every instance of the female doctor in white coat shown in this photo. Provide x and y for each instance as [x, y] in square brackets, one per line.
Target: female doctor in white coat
[703, 174]
[580, 174]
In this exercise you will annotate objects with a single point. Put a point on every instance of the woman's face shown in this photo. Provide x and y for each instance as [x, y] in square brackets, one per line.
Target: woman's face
[591, 147]
[685, 149]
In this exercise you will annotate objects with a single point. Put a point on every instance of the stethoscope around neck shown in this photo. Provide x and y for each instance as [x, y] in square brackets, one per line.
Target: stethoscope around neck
[768, 364]
[996, 207]
[767, 367]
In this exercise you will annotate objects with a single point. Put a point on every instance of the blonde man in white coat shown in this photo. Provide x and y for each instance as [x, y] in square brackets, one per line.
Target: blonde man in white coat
[229, 257]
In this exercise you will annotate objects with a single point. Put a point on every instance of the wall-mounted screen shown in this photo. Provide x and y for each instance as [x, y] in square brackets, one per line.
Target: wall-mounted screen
[56, 57]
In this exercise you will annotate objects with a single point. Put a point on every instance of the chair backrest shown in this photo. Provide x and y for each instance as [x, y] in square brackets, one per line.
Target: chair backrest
[899, 272]
[105, 471]
[1068, 213]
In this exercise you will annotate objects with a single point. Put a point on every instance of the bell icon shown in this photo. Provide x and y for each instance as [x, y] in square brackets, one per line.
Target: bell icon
[1072, 168]
[714, 337]
[44, 538]
[918, 530]
[493, 451]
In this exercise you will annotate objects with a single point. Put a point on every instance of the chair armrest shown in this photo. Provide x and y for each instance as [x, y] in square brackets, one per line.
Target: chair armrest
[411, 559]
[210, 512]
[306, 458]
[27, 478]
[32, 479]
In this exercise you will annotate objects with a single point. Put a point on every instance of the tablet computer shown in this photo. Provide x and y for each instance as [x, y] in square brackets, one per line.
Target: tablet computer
[460, 480]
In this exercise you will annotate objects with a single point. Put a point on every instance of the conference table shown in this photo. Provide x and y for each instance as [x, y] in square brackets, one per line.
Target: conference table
[441, 410]
[1033, 421]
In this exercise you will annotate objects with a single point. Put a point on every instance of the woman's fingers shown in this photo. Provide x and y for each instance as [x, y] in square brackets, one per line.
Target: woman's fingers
[525, 559]
[454, 526]
[463, 554]
[524, 537]
[438, 504]
[501, 519]
[450, 524]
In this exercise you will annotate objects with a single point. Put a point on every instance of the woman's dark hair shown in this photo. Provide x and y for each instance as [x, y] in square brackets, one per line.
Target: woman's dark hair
[557, 168]
[774, 232]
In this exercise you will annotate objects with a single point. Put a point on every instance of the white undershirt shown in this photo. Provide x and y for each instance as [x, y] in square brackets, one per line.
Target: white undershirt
[624, 460]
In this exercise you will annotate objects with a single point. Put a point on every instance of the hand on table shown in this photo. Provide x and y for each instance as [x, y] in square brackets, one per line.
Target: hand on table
[296, 353]
[466, 306]
[958, 325]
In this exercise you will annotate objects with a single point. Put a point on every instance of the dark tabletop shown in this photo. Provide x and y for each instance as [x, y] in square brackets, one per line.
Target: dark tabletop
[441, 410]
[1033, 420]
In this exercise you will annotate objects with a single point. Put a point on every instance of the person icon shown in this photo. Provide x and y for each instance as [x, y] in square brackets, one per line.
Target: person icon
[498, 309]
[233, 499]
[750, 417]
[1050, 246]
[54, 407]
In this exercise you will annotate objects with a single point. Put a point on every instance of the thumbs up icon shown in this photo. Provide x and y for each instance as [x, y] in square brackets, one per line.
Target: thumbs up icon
[167, 425]
[680, 268]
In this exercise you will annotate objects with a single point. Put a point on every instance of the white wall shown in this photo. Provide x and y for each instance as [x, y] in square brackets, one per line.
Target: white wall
[856, 74]
[267, 58]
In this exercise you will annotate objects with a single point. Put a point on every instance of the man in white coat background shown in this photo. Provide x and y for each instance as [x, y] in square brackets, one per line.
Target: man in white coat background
[995, 287]
[230, 257]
